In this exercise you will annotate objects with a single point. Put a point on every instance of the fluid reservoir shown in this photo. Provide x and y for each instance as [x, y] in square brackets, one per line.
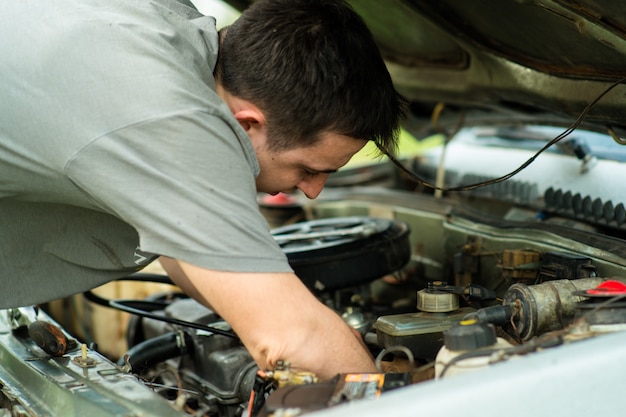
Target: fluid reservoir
[468, 346]
[422, 332]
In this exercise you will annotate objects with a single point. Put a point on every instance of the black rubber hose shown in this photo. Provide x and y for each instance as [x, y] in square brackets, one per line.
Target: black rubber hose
[148, 353]
[143, 308]
[498, 315]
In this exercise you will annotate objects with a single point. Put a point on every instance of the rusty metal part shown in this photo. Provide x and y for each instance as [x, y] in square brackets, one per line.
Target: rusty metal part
[521, 265]
[84, 361]
[545, 307]
[283, 375]
[48, 337]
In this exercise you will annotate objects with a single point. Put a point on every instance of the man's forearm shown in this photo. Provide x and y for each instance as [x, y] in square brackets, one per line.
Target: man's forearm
[277, 318]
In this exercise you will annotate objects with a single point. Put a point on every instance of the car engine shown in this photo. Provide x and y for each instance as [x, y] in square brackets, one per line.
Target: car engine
[489, 291]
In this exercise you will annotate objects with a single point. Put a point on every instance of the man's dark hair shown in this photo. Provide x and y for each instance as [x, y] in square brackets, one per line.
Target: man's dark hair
[311, 66]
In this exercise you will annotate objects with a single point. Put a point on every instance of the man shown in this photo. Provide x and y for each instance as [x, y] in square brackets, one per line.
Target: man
[124, 137]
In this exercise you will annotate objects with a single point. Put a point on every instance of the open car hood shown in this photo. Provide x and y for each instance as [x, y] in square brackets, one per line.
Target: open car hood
[542, 58]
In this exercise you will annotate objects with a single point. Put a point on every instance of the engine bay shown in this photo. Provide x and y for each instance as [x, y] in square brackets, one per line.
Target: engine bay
[434, 288]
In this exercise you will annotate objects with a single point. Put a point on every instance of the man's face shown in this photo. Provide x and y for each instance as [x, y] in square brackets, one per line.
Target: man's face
[304, 168]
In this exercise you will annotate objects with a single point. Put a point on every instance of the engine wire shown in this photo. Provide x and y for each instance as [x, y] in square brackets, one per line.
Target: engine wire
[132, 307]
[505, 177]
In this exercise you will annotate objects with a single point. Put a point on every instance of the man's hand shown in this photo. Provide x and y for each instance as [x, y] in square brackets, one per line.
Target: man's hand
[277, 318]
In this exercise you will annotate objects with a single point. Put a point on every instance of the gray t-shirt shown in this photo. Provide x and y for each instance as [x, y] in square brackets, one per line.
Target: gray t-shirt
[114, 148]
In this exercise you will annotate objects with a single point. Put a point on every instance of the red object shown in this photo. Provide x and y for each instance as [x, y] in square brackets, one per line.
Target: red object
[278, 200]
[609, 287]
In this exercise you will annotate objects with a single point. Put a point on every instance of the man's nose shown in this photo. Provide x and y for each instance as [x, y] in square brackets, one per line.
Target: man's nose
[312, 186]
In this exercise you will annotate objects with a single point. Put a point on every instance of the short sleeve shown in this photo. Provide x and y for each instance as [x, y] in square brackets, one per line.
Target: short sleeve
[186, 184]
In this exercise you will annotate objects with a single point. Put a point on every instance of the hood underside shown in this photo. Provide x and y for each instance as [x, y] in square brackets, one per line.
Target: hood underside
[545, 58]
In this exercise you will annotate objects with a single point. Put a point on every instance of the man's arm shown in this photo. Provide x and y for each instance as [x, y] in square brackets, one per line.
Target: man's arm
[277, 318]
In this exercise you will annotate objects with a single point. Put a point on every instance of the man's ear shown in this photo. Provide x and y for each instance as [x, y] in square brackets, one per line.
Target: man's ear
[250, 118]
